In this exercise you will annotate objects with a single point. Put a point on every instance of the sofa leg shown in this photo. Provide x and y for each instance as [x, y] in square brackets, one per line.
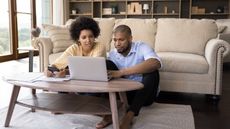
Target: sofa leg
[214, 99]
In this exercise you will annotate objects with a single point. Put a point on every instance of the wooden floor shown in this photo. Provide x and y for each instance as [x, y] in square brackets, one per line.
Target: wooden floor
[7, 68]
[207, 114]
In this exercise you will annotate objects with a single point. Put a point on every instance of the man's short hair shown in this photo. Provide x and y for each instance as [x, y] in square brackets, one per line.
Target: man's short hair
[123, 29]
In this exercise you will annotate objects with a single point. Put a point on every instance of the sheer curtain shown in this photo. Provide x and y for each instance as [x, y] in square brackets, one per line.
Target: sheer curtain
[44, 13]
[50, 12]
[59, 12]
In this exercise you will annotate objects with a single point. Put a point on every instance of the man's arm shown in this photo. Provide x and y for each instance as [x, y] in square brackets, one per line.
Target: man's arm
[147, 66]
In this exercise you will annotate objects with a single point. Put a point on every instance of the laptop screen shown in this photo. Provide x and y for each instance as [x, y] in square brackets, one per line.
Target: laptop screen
[87, 68]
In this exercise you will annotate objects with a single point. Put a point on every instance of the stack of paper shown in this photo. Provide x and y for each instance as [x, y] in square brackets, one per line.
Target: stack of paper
[53, 79]
[33, 77]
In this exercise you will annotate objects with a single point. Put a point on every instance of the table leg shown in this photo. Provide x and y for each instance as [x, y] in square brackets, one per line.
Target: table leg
[13, 101]
[31, 61]
[35, 101]
[31, 56]
[113, 106]
[33, 91]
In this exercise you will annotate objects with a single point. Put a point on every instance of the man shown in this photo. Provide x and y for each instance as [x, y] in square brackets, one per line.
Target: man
[135, 61]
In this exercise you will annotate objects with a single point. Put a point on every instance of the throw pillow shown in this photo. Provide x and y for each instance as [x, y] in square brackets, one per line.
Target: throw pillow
[224, 22]
[60, 37]
[221, 28]
[69, 22]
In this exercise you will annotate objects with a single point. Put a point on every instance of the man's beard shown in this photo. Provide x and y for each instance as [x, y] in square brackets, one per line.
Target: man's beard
[125, 50]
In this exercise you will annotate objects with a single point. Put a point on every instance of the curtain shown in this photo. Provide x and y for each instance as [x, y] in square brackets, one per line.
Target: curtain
[59, 12]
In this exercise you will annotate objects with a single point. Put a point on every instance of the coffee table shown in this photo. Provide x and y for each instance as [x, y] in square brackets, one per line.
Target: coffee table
[67, 103]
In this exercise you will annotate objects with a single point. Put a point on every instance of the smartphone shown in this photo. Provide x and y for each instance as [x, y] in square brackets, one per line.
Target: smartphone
[53, 69]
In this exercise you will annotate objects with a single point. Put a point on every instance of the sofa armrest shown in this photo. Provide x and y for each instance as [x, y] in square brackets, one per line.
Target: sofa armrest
[215, 50]
[225, 37]
[45, 47]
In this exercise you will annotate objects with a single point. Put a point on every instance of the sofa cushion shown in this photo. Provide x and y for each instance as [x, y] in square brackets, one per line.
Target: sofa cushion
[184, 35]
[142, 29]
[183, 63]
[106, 27]
[60, 37]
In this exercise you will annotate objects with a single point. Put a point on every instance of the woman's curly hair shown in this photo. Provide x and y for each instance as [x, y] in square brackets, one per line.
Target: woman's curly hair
[83, 23]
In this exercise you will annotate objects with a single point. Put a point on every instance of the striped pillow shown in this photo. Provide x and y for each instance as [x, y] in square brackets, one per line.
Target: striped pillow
[60, 37]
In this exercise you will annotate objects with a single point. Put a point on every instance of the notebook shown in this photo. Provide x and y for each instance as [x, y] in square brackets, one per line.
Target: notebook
[87, 68]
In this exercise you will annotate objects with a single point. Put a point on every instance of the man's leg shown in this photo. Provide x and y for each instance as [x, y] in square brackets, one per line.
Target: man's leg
[140, 98]
[146, 95]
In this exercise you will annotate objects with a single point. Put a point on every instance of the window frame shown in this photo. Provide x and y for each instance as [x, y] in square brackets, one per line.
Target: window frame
[14, 30]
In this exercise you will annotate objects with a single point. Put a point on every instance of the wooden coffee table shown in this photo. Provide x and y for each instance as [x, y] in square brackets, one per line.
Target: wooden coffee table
[76, 103]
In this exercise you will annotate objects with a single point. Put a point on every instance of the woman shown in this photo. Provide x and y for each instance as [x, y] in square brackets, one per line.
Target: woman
[83, 31]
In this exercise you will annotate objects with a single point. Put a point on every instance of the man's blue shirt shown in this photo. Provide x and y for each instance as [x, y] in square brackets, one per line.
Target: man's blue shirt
[139, 52]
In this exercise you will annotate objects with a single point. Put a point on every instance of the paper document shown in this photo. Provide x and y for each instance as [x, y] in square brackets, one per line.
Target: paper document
[25, 77]
[33, 77]
[53, 79]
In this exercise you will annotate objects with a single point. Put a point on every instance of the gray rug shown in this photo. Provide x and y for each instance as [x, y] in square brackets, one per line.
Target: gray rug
[157, 116]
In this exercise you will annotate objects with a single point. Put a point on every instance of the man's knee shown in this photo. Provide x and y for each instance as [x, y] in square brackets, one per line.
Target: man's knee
[152, 74]
[152, 77]
[151, 85]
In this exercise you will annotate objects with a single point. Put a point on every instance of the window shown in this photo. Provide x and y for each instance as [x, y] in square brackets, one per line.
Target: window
[5, 43]
[24, 22]
[15, 31]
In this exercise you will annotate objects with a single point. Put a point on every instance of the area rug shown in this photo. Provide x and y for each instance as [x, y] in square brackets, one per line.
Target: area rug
[157, 116]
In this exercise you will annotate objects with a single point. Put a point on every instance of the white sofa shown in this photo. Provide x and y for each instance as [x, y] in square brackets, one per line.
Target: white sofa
[191, 53]
[224, 33]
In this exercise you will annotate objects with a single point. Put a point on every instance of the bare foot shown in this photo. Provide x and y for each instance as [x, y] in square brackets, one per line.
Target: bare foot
[106, 121]
[127, 120]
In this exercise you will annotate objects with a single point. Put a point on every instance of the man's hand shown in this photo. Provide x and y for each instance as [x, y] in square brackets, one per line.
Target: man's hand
[115, 73]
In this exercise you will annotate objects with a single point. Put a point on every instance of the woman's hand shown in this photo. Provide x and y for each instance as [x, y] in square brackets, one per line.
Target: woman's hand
[60, 74]
[48, 73]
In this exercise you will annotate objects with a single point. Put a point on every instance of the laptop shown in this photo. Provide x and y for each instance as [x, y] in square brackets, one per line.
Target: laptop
[87, 68]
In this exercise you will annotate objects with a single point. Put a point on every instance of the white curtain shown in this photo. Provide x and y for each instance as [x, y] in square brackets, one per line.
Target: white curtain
[59, 12]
